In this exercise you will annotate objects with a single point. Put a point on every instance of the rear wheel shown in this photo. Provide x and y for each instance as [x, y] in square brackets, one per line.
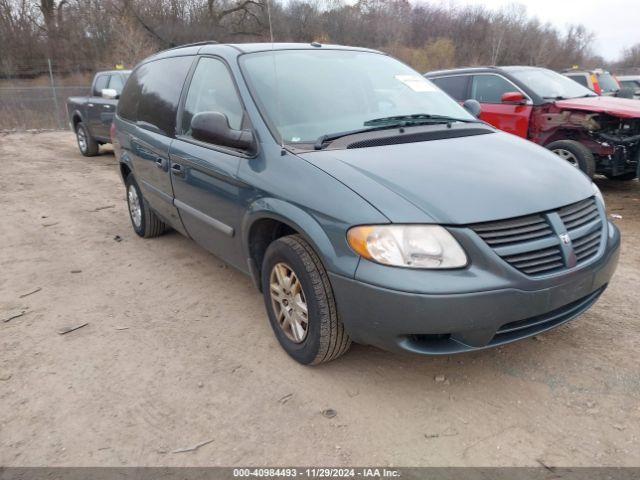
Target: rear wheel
[144, 220]
[576, 154]
[86, 143]
[300, 302]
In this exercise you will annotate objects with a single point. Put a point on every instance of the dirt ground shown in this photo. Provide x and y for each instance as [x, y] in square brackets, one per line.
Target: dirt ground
[177, 351]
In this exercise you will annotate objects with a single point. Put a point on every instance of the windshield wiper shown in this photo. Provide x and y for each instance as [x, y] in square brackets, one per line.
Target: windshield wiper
[327, 137]
[386, 123]
[416, 119]
[557, 97]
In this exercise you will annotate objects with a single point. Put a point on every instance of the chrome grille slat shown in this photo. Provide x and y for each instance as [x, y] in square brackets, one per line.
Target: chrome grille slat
[515, 231]
[545, 268]
[508, 224]
[538, 263]
[531, 244]
[519, 238]
[579, 214]
[586, 239]
[575, 207]
[532, 256]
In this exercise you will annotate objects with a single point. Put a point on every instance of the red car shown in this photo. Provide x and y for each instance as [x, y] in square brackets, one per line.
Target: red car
[596, 134]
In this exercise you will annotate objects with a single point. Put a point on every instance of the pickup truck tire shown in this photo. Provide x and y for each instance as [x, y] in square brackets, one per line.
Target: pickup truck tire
[300, 303]
[576, 154]
[86, 143]
[144, 220]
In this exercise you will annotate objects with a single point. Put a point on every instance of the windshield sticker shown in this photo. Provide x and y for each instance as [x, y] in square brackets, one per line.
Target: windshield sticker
[416, 83]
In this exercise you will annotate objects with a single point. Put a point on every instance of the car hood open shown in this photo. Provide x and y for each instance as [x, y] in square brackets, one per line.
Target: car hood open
[618, 107]
[456, 181]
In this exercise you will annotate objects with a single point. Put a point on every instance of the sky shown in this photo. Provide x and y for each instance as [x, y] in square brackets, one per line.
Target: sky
[616, 23]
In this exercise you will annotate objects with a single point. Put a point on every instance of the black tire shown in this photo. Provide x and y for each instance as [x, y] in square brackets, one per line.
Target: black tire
[149, 224]
[582, 155]
[326, 338]
[624, 177]
[88, 148]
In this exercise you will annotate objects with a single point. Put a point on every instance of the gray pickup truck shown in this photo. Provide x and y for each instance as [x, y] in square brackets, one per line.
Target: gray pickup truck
[91, 117]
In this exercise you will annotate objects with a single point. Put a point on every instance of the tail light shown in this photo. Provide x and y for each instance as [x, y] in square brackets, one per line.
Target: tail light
[596, 85]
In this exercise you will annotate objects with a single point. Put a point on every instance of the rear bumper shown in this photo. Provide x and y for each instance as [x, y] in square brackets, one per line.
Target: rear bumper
[458, 322]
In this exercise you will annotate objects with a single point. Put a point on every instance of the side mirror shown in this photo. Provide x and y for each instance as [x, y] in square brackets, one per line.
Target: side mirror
[213, 127]
[512, 97]
[109, 93]
[473, 107]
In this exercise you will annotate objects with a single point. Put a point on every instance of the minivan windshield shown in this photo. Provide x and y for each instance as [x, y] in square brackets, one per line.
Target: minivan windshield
[549, 84]
[307, 94]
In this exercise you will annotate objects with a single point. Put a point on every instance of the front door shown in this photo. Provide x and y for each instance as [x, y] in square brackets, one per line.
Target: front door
[204, 176]
[511, 118]
[96, 108]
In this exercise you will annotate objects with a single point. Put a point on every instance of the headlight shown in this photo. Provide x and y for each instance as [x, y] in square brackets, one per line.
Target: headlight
[412, 246]
[598, 193]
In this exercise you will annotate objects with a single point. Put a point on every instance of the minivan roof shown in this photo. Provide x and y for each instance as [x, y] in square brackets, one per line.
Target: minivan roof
[240, 48]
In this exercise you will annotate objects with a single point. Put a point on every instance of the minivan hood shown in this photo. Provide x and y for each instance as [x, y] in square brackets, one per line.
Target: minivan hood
[618, 107]
[457, 181]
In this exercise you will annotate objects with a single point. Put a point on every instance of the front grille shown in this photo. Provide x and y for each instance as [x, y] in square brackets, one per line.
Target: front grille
[532, 244]
[512, 231]
[579, 214]
[537, 261]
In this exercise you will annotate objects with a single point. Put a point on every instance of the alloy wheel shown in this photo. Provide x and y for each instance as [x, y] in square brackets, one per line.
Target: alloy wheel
[82, 139]
[135, 209]
[289, 303]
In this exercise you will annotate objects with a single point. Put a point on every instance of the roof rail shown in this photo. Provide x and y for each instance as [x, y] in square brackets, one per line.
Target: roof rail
[194, 44]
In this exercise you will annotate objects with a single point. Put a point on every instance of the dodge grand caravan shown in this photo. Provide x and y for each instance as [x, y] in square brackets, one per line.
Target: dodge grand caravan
[364, 202]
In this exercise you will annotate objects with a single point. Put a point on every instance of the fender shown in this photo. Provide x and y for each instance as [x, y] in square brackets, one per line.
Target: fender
[125, 159]
[306, 225]
[79, 114]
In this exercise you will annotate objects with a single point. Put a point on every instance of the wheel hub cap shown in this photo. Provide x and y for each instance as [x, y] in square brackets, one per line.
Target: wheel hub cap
[134, 206]
[289, 303]
[82, 139]
[567, 155]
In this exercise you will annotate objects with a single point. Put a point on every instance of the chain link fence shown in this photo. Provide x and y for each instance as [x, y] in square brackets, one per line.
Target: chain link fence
[37, 98]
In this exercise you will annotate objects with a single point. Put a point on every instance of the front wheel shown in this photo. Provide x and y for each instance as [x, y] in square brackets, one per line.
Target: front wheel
[86, 143]
[576, 154]
[300, 303]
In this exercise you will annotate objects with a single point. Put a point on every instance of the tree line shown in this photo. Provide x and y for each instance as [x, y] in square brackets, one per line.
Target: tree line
[85, 35]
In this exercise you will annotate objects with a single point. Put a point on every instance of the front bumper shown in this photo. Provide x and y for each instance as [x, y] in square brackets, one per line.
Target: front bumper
[463, 320]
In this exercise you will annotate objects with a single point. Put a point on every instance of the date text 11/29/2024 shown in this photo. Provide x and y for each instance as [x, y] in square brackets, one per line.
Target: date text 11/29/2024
[311, 473]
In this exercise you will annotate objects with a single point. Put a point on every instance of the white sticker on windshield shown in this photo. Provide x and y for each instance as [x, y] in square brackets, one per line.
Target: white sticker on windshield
[416, 83]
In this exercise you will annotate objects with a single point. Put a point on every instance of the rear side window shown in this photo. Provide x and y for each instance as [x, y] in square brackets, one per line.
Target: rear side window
[581, 79]
[128, 104]
[101, 82]
[162, 82]
[212, 90]
[457, 87]
[490, 88]
[152, 94]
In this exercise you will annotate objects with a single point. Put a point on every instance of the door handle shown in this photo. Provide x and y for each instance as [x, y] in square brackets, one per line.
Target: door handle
[160, 162]
[177, 170]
